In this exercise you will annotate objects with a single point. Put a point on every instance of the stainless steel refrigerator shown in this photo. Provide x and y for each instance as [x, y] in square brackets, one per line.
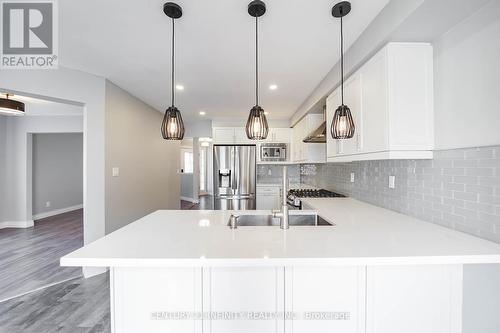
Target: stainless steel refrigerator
[234, 177]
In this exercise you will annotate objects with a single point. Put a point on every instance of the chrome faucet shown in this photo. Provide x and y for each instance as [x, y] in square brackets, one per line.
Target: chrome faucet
[283, 213]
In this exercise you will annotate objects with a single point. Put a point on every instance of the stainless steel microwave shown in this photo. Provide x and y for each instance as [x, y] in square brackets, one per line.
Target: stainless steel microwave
[273, 152]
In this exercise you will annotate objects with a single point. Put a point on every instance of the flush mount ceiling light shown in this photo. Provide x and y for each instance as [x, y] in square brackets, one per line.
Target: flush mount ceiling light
[342, 124]
[179, 87]
[257, 127]
[273, 87]
[172, 127]
[202, 113]
[10, 106]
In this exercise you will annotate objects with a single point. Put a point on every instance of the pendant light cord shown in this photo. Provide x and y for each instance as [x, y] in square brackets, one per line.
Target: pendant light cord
[173, 56]
[256, 60]
[342, 58]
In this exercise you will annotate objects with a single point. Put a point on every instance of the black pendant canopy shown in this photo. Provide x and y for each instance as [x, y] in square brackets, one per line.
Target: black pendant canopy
[172, 127]
[257, 127]
[10, 106]
[343, 124]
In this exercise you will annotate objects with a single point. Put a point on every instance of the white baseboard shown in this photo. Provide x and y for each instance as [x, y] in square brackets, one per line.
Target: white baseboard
[17, 224]
[190, 200]
[56, 212]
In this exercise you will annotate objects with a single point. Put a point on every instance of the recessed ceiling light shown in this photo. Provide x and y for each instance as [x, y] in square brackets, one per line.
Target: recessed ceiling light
[179, 87]
[202, 113]
[273, 87]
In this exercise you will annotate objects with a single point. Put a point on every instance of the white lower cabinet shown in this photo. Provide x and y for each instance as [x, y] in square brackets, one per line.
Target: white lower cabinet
[319, 298]
[245, 291]
[325, 299]
[268, 197]
[142, 298]
[414, 299]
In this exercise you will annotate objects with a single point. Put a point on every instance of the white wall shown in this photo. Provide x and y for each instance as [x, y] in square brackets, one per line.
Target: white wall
[148, 165]
[82, 89]
[466, 81]
[18, 183]
[57, 172]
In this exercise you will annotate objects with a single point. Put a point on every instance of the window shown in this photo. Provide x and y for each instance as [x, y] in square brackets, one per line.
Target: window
[188, 161]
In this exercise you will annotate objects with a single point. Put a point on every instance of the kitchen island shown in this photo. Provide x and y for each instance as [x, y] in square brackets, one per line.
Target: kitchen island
[373, 271]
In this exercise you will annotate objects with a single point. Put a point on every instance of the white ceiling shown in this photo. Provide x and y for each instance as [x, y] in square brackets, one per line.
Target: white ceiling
[128, 42]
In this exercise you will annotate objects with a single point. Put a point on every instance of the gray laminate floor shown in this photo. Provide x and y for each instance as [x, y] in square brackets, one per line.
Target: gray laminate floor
[78, 305]
[29, 258]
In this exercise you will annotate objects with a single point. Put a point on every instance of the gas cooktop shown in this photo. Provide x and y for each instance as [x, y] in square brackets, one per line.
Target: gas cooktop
[309, 193]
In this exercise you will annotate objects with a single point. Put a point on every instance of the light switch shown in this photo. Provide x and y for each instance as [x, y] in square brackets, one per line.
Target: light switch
[352, 177]
[47, 204]
[392, 182]
[116, 172]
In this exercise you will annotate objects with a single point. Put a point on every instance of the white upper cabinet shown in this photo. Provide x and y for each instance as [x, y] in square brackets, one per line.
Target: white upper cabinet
[279, 135]
[223, 135]
[238, 135]
[307, 152]
[391, 99]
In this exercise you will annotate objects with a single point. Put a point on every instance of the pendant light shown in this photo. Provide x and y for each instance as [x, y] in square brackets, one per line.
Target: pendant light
[10, 106]
[172, 127]
[257, 127]
[342, 124]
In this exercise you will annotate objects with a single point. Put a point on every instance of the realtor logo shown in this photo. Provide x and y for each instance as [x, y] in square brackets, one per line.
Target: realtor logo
[29, 34]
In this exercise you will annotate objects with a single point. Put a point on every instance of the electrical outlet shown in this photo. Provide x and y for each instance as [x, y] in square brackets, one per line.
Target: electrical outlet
[47, 204]
[269, 172]
[392, 181]
[116, 171]
[352, 177]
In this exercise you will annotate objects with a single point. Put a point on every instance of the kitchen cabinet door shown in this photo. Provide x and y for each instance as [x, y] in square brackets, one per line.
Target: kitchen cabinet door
[241, 291]
[334, 147]
[280, 135]
[240, 136]
[352, 98]
[414, 299]
[268, 197]
[142, 297]
[325, 299]
[374, 96]
[223, 135]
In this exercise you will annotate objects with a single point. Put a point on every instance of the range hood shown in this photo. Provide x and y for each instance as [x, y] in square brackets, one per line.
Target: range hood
[319, 134]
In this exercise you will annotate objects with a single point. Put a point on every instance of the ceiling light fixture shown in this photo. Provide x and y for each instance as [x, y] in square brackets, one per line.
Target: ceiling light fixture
[202, 113]
[10, 106]
[179, 87]
[273, 87]
[172, 127]
[342, 124]
[257, 127]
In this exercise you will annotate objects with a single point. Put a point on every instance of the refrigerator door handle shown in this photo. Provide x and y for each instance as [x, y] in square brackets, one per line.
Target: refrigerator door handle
[234, 185]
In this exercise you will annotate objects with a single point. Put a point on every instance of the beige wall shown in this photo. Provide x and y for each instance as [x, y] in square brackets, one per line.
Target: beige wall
[148, 178]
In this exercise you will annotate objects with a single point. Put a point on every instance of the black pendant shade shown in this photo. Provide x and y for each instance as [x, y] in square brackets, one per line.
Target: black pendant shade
[172, 127]
[257, 127]
[343, 124]
[11, 107]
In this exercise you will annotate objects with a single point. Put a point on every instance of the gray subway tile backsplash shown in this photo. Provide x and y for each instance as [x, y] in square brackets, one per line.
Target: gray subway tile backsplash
[459, 188]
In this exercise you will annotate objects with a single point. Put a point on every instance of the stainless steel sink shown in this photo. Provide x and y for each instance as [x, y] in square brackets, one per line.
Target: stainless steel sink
[268, 220]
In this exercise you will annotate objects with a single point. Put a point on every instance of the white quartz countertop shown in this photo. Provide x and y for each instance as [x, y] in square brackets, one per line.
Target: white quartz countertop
[363, 235]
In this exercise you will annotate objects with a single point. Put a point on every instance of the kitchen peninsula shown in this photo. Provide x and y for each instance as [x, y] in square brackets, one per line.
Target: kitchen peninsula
[374, 270]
